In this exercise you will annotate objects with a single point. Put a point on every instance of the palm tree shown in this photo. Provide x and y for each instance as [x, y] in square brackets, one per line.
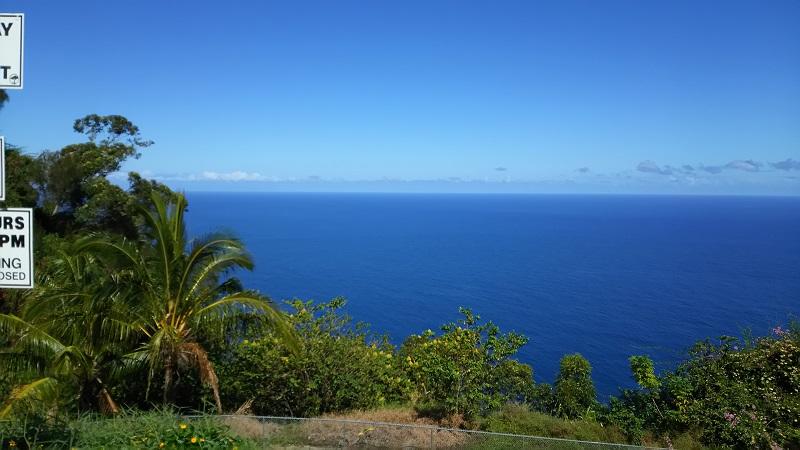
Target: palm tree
[182, 290]
[70, 335]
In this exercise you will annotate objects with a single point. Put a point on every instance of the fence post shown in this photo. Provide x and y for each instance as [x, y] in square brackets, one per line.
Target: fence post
[433, 444]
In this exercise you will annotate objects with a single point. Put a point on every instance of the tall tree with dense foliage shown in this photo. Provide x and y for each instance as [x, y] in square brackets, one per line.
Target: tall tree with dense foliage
[74, 191]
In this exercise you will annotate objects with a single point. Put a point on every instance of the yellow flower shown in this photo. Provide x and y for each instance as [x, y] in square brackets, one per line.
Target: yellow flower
[202, 439]
[161, 445]
[194, 440]
[12, 443]
[183, 426]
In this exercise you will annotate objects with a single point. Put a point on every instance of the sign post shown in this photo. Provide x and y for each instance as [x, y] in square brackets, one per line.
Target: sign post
[11, 50]
[2, 169]
[16, 248]
[16, 224]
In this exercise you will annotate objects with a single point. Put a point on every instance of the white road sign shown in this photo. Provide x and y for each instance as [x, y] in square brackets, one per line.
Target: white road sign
[11, 50]
[16, 248]
[2, 168]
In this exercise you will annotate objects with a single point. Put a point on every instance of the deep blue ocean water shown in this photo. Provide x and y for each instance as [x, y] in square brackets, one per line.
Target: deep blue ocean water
[606, 276]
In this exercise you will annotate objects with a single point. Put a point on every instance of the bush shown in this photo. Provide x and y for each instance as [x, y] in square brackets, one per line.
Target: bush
[339, 367]
[742, 394]
[735, 393]
[466, 370]
[33, 429]
[129, 430]
[157, 429]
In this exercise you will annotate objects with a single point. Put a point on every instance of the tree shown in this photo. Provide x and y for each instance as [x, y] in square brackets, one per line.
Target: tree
[468, 369]
[574, 390]
[181, 294]
[74, 192]
[70, 335]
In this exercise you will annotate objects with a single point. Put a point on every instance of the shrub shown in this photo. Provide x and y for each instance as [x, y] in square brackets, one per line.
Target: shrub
[339, 367]
[467, 369]
[542, 398]
[734, 393]
[742, 394]
[157, 429]
[32, 429]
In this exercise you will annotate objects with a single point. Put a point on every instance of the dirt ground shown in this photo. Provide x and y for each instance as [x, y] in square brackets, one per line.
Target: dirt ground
[324, 434]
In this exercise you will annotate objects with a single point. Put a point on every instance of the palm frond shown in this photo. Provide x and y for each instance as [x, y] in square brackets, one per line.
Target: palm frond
[40, 390]
[199, 358]
[234, 303]
[26, 336]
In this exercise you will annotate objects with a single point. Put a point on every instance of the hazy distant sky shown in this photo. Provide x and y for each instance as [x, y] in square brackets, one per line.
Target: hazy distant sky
[496, 96]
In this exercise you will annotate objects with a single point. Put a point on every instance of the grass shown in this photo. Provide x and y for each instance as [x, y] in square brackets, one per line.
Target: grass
[129, 430]
[165, 429]
[519, 420]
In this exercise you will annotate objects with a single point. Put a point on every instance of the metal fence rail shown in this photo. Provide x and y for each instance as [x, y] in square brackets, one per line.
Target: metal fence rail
[345, 433]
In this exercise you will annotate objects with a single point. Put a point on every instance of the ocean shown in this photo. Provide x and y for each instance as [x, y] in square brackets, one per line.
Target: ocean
[604, 276]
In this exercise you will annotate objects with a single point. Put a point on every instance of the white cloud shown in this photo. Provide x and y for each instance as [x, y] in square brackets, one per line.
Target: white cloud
[236, 175]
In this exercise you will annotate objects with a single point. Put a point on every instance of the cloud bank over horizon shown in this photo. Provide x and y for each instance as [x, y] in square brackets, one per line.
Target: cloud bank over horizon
[647, 177]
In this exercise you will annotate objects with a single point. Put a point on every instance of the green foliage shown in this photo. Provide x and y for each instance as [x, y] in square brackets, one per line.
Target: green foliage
[520, 420]
[337, 367]
[644, 372]
[627, 419]
[20, 171]
[542, 398]
[574, 389]
[736, 393]
[179, 293]
[129, 430]
[744, 396]
[106, 307]
[467, 369]
[73, 191]
[155, 430]
[35, 429]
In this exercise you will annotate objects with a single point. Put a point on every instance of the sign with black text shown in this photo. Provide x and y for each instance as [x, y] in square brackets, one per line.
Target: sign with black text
[16, 248]
[11, 50]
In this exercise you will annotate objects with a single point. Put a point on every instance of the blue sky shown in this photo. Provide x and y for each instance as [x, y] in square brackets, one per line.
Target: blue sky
[443, 96]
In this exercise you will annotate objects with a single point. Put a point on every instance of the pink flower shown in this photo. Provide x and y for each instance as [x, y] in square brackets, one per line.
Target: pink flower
[731, 418]
[778, 331]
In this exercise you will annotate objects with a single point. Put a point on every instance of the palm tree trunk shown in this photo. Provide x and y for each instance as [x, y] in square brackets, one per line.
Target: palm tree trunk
[105, 403]
[168, 372]
[217, 400]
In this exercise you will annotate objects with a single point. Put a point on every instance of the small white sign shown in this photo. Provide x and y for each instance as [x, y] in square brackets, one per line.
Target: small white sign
[16, 248]
[2, 169]
[11, 50]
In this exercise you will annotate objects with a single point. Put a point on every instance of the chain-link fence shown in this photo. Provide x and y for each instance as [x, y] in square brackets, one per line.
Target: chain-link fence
[342, 433]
